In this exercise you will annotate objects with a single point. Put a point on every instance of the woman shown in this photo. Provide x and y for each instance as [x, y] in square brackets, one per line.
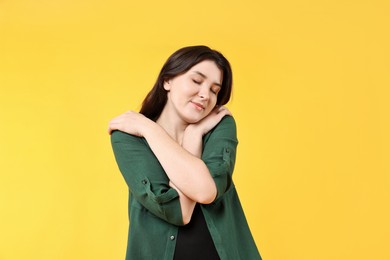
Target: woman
[177, 156]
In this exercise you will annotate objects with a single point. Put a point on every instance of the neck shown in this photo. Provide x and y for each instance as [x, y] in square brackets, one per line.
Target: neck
[173, 126]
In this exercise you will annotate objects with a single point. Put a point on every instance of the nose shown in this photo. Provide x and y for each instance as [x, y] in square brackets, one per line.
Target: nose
[204, 93]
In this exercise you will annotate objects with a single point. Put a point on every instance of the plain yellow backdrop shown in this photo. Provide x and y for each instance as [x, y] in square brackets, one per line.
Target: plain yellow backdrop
[311, 100]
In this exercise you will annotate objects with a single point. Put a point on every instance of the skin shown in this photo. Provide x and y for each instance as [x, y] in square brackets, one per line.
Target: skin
[176, 137]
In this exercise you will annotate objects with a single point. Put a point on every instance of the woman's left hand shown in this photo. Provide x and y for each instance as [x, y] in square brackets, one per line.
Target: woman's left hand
[210, 121]
[129, 122]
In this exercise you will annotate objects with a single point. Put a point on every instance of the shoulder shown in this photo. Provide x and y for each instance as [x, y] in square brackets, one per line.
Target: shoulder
[122, 137]
[227, 124]
[228, 121]
[226, 127]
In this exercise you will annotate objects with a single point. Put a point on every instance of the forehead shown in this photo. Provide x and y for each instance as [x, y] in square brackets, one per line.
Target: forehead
[209, 69]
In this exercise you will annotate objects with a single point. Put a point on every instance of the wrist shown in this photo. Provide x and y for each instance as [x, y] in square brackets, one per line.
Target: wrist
[149, 128]
[192, 141]
[193, 131]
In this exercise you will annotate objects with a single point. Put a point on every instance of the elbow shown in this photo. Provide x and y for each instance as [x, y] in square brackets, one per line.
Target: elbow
[207, 200]
[207, 191]
[207, 197]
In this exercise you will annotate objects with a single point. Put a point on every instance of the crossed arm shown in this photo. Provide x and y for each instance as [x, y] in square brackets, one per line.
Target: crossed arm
[187, 173]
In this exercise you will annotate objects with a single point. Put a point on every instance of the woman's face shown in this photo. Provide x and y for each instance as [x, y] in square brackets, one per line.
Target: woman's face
[192, 95]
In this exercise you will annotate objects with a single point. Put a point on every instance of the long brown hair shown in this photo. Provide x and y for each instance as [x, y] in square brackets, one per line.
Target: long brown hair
[179, 63]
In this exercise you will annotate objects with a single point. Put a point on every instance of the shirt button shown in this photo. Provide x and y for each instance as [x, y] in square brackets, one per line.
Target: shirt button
[172, 237]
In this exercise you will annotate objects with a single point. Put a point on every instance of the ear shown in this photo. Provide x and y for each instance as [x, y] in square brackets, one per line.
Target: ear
[167, 85]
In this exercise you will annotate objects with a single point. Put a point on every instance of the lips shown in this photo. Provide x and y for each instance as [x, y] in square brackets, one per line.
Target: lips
[197, 105]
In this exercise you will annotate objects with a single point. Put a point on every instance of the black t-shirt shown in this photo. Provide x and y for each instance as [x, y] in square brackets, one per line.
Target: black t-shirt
[194, 241]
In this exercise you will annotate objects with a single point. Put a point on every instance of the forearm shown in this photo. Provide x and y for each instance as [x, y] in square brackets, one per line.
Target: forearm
[186, 205]
[192, 142]
[182, 164]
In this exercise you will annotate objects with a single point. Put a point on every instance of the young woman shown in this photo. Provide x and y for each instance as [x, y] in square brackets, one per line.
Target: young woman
[177, 156]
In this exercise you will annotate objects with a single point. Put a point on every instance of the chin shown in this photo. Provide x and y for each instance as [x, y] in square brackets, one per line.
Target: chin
[193, 120]
[193, 117]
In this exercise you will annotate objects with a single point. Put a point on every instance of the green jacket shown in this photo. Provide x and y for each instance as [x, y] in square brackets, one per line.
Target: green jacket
[154, 207]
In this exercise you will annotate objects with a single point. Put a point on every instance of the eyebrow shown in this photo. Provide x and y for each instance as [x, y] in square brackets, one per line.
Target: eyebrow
[204, 76]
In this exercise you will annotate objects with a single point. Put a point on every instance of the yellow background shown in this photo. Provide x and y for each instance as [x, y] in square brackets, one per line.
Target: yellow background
[311, 99]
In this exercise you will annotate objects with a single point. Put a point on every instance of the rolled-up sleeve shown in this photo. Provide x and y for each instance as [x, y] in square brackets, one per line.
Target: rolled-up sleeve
[145, 177]
[219, 153]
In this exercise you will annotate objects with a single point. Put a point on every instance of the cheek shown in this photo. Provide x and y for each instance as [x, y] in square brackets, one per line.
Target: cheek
[213, 101]
[212, 105]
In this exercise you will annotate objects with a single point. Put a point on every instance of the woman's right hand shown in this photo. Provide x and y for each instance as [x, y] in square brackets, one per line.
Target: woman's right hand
[129, 122]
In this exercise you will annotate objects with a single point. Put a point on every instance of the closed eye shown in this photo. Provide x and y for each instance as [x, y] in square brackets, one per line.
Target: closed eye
[196, 81]
[215, 90]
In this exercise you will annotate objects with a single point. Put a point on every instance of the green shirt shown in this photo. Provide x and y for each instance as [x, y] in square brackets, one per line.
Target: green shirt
[154, 207]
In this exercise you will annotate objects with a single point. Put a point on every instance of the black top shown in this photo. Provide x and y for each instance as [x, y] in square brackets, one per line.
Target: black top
[194, 241]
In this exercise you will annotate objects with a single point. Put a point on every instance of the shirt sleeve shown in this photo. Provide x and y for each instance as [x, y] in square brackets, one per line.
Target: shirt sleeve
[219, 153]
[145, 177]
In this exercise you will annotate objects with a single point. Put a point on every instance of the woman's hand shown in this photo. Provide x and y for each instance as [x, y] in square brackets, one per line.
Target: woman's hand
[210, 121]
[129, 122]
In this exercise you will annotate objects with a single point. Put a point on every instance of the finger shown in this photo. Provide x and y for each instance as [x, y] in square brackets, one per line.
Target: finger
[115, 120]
[109, 130]
[220, 108]
[113, 126]
[224, 110]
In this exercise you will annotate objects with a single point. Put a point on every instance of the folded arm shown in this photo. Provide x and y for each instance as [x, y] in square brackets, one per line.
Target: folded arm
[188, 173]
